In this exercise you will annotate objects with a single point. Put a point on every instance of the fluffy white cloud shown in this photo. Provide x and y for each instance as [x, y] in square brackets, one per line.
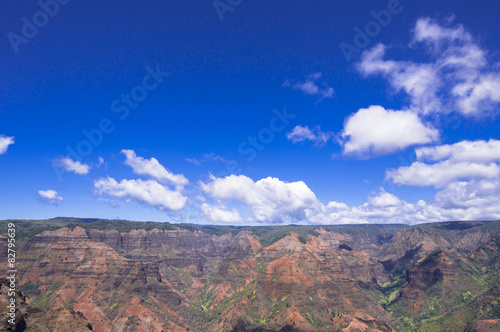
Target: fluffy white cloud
[482, 92]
[459, 201]
[273, 201]
[428, 30]
[311, 87]
[384, 199]
[472, 151]
[270, 200]
[383, 208]
[458, 77]
[467, 175]
[5, 141]
[464, 160]
[73, 166]
[301, 134]
[469, 200]
[149, 192]
[220, 214]
[154, 169]
[420, 81]
[475, 88]
[49, 197]
[376, 131]
[440, 174]
[472, 194]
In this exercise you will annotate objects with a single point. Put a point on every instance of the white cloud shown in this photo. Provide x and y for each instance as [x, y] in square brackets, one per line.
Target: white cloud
[220, 214]
[472, 194]
[195, 161]
[420, 81]
[311, 87]
[376, 131]
[270, 200]
[5, 141]
[154, 169]
[469, 200]
[457, 77]
[475, 88]
[459, 201]
[481, 93]
[384, 199]
[207, 157]
[440, 174]
[472, 151]
[214, 157]
[301, 134]
[100, 162]
[382, 208]
[465, 160]
[430, 31]
[149, 192]
[73, 166]
[49, 197]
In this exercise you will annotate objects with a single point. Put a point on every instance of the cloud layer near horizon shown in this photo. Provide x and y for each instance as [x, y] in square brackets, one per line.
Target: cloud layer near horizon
[464, 175]
[464, 192]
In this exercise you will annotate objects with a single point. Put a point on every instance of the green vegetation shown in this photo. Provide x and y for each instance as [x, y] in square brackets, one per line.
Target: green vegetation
[30, 289]
[431, 257]
[131, 324]
[205, 302]
[253, 295]
[467, 296]
[260, 266]
[310, 319]
[168, 253]
[30, 228]
[497, 240]
[462, 320]
[389, 291]
[184, 276]
[113, 306]
[231, 300]
[267, 235]
[42, 302]
[270, 234]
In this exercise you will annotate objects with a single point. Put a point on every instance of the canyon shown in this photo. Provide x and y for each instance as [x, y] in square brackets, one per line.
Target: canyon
[110, 275]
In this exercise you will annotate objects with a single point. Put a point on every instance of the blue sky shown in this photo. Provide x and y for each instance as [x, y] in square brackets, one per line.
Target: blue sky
[250, 112]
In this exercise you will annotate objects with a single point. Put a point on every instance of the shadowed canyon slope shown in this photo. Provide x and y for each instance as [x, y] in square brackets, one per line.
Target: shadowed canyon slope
[123, 276]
